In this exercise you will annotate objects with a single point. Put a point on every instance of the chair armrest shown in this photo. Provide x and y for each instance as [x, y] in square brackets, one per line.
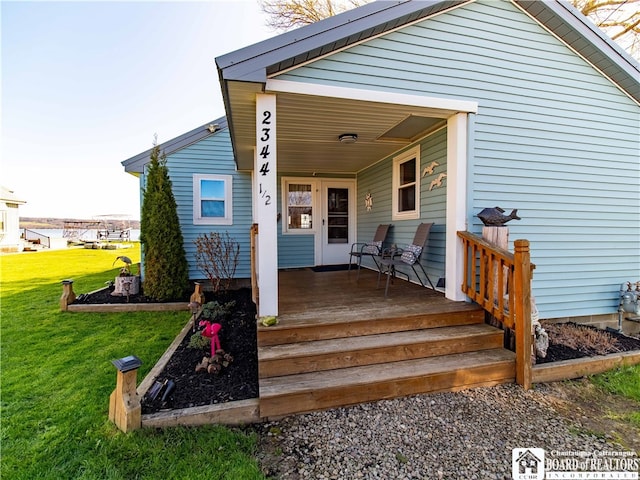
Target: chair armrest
[363, 244]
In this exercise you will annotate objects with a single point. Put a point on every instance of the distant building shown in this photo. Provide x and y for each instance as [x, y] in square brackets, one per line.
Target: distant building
[9, 221]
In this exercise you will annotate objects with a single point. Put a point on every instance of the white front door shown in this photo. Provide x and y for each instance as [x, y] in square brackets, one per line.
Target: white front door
[338, 221]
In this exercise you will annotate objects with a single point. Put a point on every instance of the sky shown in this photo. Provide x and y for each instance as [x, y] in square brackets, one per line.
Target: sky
[87, 84]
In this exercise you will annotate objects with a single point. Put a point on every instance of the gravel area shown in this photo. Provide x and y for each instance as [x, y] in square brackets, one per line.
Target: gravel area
[462, 435]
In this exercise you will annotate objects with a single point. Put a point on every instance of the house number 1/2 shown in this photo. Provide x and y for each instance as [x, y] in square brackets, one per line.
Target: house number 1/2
[265, 195]
[264, 153]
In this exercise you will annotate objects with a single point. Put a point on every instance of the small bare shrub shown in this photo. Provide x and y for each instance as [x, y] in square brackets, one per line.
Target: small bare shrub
[582, 338]
[217, 257]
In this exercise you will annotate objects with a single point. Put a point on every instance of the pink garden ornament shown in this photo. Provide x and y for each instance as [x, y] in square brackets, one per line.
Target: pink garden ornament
[211, 330]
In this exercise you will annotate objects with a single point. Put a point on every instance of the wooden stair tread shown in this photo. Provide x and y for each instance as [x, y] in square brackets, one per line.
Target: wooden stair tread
[366, 342]
[331, 317]
[305, 330]
[370, 375]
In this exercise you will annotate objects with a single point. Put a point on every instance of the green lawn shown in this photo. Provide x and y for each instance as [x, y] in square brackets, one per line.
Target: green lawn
[57, 377]
[625, 382]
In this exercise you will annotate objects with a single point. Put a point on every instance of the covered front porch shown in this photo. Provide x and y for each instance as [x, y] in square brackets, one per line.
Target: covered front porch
[403, 148]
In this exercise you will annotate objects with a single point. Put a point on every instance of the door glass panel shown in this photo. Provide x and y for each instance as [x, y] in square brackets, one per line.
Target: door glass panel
[338, 215]
[299, 206]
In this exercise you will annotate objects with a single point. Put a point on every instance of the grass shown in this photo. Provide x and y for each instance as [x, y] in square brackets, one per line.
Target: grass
[624, 381]
[57, 377]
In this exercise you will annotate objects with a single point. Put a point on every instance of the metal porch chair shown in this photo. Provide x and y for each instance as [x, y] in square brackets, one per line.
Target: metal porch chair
[410, 255]
[371, 249]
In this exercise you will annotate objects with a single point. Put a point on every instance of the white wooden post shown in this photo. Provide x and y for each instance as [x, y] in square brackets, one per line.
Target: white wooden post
[265, 190]
[456, 204]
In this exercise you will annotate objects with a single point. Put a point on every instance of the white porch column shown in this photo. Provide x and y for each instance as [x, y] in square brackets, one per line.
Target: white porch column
[456, 203]
[264, 193]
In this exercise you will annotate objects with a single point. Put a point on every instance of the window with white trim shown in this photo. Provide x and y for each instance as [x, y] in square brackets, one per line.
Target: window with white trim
[212, 199]
[406, 185]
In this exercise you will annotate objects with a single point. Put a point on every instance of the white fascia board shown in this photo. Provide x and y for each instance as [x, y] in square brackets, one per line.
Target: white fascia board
[451, 105]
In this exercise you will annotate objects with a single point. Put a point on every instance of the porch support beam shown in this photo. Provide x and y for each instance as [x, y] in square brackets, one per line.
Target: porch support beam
[264, 192]
[444, 105]
[456, 204]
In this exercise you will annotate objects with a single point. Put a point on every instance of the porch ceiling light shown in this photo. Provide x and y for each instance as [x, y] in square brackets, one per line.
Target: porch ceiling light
[348, 138]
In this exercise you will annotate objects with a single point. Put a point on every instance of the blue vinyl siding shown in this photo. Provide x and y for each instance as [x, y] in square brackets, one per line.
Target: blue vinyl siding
[212, 155]
[295, 251]
[377, 181]
[553, 137]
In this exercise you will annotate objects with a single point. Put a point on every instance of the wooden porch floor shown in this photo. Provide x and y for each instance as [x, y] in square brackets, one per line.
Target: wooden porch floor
[306, 296]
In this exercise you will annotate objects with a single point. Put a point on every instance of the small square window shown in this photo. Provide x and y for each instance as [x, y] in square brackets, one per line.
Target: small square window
[406, 187]
[212, 200]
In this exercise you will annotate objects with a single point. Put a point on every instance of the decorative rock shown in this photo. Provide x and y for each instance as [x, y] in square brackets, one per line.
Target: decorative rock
[467, 434]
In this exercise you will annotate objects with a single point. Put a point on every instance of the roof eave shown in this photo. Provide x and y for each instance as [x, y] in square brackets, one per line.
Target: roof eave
[135, 165]
[252, 63]
[626, 79]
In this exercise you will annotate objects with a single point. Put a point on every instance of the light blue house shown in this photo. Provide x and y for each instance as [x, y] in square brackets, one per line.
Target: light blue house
[203, 172]
[429, 111]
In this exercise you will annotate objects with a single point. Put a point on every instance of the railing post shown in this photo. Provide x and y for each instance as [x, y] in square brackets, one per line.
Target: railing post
[522, 294]
[254, 263]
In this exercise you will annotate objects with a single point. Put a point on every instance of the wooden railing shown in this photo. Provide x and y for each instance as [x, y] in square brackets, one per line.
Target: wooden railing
[254, 263]
[500, 282]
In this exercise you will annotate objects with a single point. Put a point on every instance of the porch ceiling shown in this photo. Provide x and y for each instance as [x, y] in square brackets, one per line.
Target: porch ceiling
[308, 128]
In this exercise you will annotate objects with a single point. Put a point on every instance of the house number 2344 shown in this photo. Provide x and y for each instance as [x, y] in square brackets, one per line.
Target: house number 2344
[265, 153]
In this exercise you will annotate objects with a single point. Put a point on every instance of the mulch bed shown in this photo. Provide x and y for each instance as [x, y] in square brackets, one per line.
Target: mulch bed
[239, 380]
[104, 296]
[558, 352]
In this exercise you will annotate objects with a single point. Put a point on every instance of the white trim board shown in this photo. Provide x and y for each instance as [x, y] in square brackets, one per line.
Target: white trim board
[446, 104]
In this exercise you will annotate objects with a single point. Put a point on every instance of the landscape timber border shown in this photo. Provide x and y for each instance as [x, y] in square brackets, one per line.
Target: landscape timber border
[245, 412]
[68, 296]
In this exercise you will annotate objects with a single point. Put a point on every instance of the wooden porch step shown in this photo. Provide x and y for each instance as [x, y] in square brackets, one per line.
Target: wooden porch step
[294, 358]
[308, 329]
[307, 392]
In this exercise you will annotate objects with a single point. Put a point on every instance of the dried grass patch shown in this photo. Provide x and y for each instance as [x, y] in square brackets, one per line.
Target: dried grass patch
[585, 339]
